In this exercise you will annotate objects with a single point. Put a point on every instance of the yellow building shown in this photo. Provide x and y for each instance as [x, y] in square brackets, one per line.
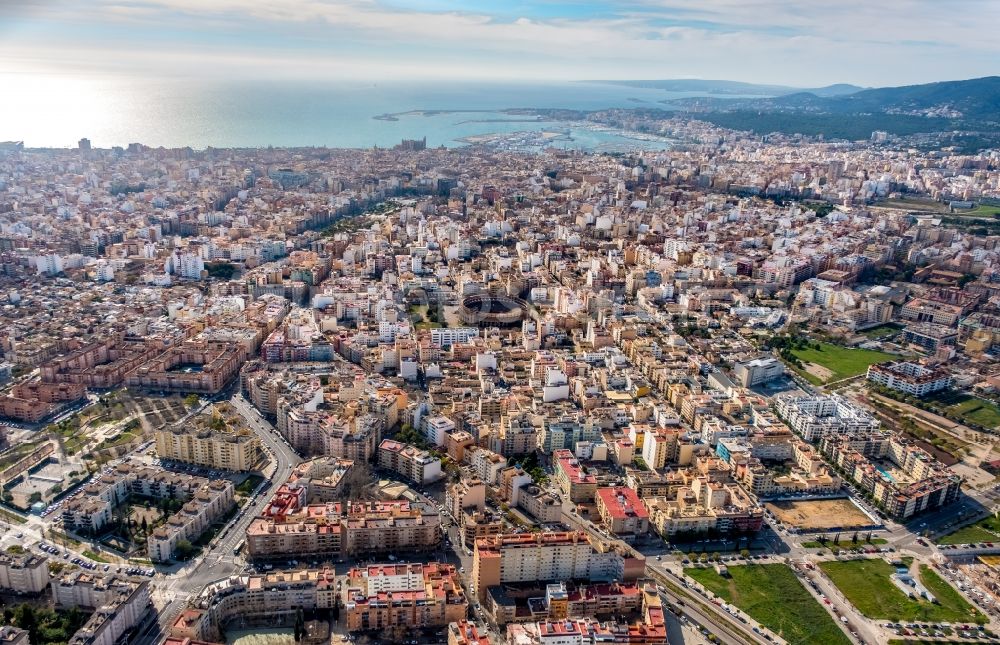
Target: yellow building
[218, 440]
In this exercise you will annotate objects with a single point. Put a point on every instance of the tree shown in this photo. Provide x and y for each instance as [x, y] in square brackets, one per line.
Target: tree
[191, 400]
[300, 625]
[744, 553]
[184, 550]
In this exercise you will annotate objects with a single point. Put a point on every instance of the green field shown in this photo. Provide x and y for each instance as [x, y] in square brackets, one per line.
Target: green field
[774, 597]
[843, 362]
[985, 530]
[982, 210]
[882, 331]
[969, 408]
[867, 585]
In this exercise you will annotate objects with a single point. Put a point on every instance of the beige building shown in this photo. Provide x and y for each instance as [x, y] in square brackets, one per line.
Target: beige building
[219, 439]
[408, 461]
[118, 604]
[26, 573]
[533, 557]
[271, 598]
[208, 504]
[386, 596]
[334, 529]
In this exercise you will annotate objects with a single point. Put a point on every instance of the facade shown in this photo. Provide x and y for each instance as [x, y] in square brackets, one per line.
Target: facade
[25, 573]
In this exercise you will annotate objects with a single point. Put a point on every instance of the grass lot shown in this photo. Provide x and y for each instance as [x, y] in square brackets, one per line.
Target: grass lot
[844, 544]
[882, 331]
[11, 516]
[968, 408]
[843, 362]
[983, 210]
[96, 557]
[985, 530]
[867, 585]
[774, 597]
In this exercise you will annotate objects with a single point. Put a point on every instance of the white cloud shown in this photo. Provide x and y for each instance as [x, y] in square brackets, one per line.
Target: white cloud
[805, 43]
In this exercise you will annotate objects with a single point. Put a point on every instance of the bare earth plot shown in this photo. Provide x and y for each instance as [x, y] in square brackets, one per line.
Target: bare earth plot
[820, 514]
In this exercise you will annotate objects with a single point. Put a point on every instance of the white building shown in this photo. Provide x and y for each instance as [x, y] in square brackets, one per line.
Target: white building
[817, 417]
[758, 371]
[912, 378]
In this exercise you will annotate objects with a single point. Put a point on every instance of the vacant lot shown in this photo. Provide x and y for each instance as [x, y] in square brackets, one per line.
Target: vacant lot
[971, 409]
[882, 331]
[837, 362]
[867, 585]
[819, 514]
[772, 595]
[985, 530]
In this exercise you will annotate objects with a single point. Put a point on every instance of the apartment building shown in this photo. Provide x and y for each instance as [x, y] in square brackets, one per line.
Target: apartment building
[816, 417]
[533, 557]
[208, 504]
[102, 364]
[705, 506]
[90, 508]
[118, 604]
[13, 636]
[354, 528]
[910, 378]
[409, 461]
[417, 595]
[486, 464]
[193, 366]
[560, 600]
[465, 632]
[573, 479]
[33, 401]
[24, 573]
[213, 440]
[271, 598]
[622, 511]
[904, 479]
[539, 504]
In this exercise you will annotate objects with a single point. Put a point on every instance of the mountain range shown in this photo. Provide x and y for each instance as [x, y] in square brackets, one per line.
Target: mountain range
[975, 99]
[717, 88]
[964, 114]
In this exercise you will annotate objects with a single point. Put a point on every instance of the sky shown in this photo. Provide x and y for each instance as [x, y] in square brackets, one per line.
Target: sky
[805, 43]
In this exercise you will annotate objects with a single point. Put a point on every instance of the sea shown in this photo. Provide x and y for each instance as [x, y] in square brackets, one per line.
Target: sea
[56, 111]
